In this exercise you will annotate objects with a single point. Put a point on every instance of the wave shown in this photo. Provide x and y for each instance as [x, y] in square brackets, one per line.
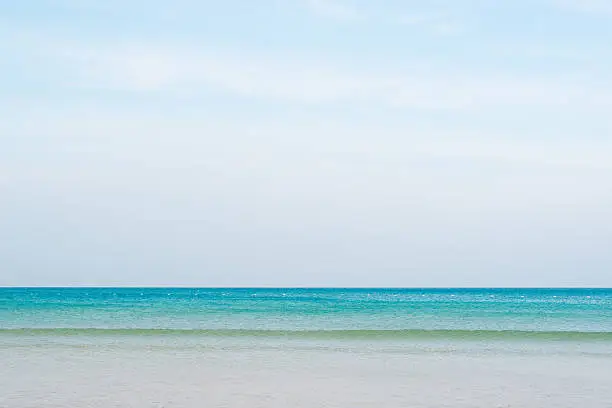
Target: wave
[408, 334]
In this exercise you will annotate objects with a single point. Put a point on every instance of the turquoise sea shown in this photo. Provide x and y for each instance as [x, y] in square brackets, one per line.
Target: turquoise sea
[195, 347]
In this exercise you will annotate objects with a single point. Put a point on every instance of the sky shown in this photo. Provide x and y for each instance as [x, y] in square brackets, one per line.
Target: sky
[306, 143]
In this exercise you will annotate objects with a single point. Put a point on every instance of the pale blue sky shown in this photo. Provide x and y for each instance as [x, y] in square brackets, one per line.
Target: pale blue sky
[306, 143]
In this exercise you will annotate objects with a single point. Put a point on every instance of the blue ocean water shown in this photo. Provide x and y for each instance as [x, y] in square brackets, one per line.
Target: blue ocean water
[560, 313]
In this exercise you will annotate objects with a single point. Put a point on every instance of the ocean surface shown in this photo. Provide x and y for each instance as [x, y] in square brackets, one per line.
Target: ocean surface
[137, 347]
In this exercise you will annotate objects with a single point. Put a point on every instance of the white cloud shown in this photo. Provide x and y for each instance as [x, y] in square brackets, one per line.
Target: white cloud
[184, 140]
[334, 10]
[589, 6]
[136, 69]
[432, 23]
[285, 79]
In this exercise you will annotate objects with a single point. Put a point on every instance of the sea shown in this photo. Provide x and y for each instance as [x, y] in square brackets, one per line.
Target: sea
[261, 347]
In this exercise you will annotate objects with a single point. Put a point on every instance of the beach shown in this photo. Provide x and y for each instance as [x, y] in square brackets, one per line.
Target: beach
[305, 347]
